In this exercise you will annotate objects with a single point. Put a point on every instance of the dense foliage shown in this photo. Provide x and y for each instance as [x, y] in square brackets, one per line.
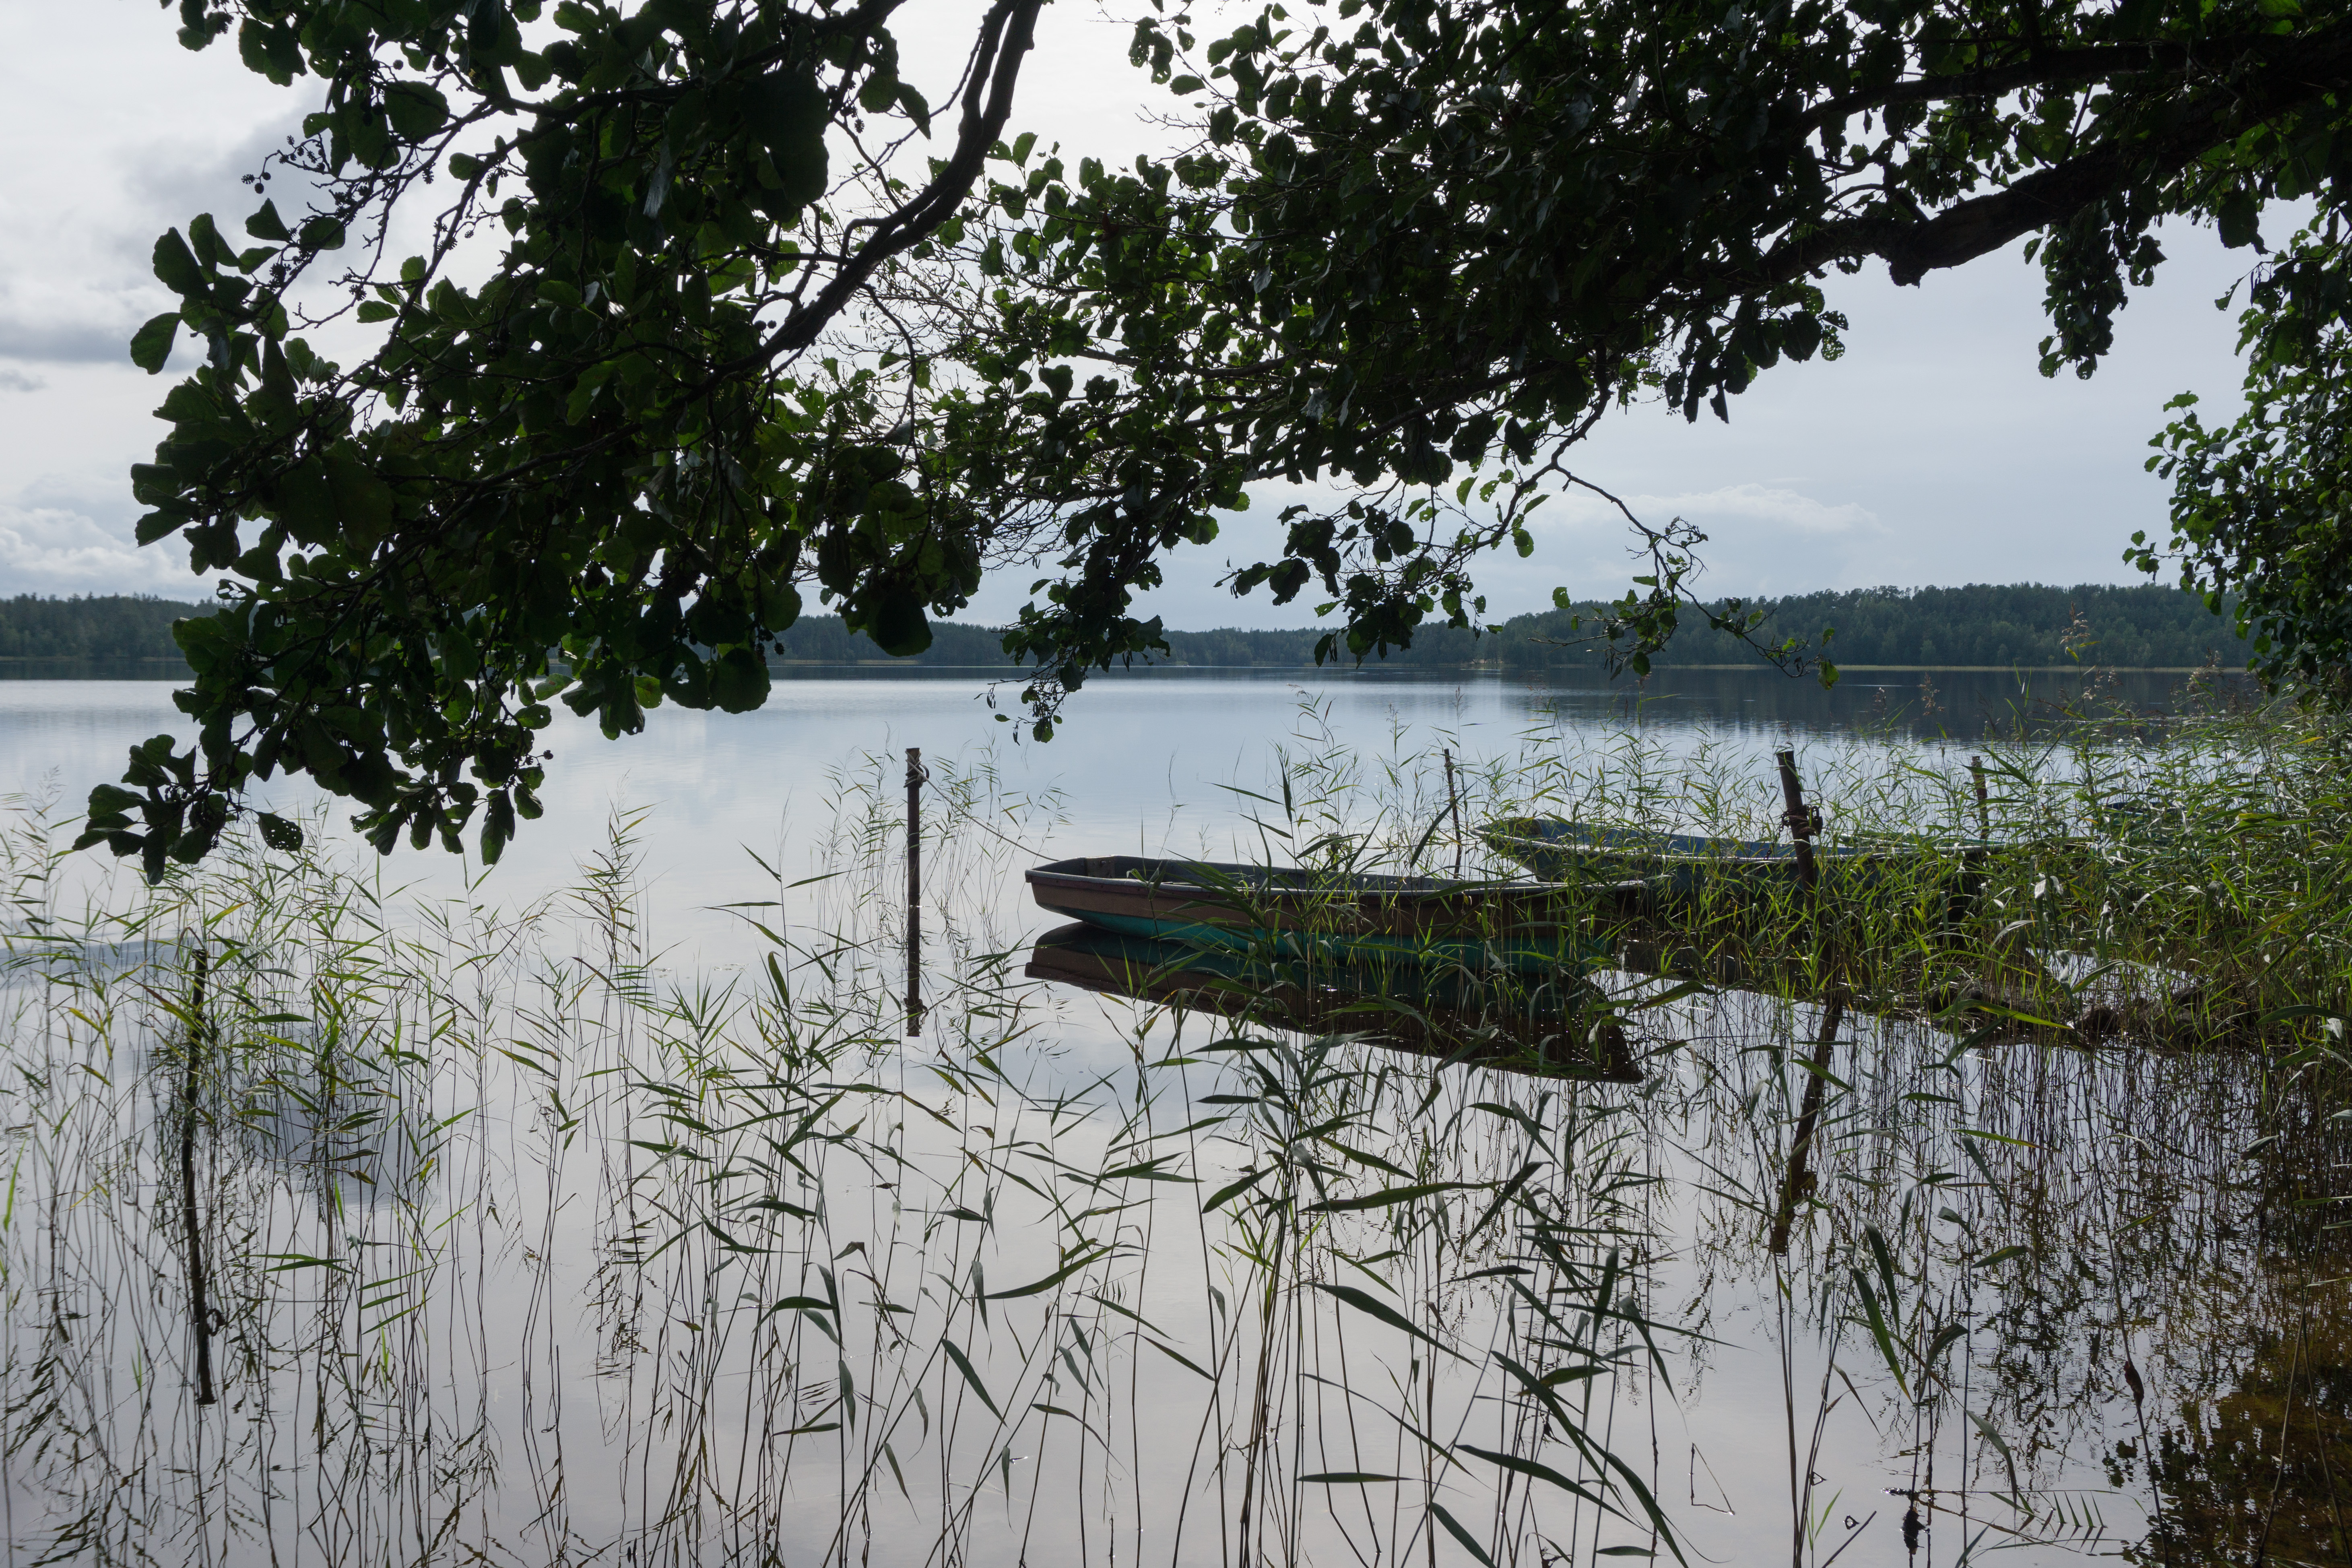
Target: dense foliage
[692, 331]
[2258, 504]
[625, 443]
[1450, 237]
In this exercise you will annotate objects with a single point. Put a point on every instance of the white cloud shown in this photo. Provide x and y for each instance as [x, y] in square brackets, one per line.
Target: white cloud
[14, 380]
[57, 550]
[1773, 505]
[1769, 503]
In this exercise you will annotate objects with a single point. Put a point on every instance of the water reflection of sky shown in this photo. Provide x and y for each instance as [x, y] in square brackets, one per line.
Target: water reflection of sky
[1141, 765]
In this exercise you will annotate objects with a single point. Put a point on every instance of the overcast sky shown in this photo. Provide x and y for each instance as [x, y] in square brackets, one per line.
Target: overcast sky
[1933, 453]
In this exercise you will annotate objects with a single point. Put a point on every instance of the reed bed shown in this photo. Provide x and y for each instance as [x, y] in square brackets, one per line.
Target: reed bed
[508, 1239]
[517, 1245]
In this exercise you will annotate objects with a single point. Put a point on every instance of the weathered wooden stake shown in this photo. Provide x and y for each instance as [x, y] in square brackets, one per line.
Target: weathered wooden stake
[199, 1312]
[1984, 803]
[913, 890]
[1453, 804]
[1804, 821]
[1798, 1181]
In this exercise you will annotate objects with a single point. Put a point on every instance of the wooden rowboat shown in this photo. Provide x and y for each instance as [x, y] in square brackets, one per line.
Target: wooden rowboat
[1337, 916]
[1554, 1026]
[1678, 866]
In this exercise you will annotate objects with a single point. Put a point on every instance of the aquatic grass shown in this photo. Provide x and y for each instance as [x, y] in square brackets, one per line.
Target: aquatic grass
[2140, 895]
[531, 1239]
[493, 1203]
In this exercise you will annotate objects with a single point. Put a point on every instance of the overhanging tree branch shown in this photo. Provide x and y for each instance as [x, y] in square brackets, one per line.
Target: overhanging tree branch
[1979, 226]
[1006, 36]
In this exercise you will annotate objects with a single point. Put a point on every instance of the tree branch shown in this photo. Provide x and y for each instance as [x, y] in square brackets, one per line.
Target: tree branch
[1981, 224]
[1006, 36]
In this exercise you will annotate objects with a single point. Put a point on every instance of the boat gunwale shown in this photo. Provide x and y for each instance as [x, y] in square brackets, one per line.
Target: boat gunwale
[1450, 913]
[1381, 886]
[1752, 853]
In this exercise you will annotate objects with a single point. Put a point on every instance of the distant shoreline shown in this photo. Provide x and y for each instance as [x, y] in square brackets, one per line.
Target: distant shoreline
[1983, 629]
[1369, 667]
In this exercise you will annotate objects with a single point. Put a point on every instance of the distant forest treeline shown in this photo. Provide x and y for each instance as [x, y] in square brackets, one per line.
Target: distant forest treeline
[2024, 625]
[103, 626]
[2000, 625]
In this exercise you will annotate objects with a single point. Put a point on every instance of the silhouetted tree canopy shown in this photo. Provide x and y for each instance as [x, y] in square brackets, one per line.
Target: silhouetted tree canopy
[704, 307]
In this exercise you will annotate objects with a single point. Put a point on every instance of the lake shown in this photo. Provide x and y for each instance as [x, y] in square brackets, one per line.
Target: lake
[1146, 763]
[598, 1210]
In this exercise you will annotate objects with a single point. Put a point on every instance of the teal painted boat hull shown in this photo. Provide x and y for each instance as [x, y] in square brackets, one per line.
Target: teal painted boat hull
[1308, 946]
[1328, 917]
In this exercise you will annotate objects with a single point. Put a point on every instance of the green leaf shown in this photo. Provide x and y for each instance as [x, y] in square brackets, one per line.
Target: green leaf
[270, 50]
[1241, 1184]
[739, 679]
[1085, 1259]
[158, 525]
[323, 233]
[150, 345]
[363, 503]
[780, 605]
[1886, 1260]
[1454, 1529]
[113, 801]
[964, 1366]
[2239, 217]
[1536, 1469]
[416, 108]
[1999, 1448]
[1876, 1320]
[204, 238]
[280, 833]
[1384, 1198]
[1372, 1306]
[305, 503]
[899, 627]
[176, 268]
[787, 111]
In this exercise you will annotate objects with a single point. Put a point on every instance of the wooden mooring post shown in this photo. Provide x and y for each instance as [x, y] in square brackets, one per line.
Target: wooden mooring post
[1984, 802]
[1804, 821]
[1804, 824]
[1454, 804]
[200, 1317]
[914, 891]
[1797, 1184]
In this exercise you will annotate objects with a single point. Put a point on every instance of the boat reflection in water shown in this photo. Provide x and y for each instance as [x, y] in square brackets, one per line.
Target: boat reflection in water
[1556, 1024]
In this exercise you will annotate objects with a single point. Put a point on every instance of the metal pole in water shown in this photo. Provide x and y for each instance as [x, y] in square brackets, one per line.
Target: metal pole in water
[913, 890]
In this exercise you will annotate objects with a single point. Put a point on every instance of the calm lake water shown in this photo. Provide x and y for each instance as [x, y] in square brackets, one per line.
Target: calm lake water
[631, 1231]
[1147, 763]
